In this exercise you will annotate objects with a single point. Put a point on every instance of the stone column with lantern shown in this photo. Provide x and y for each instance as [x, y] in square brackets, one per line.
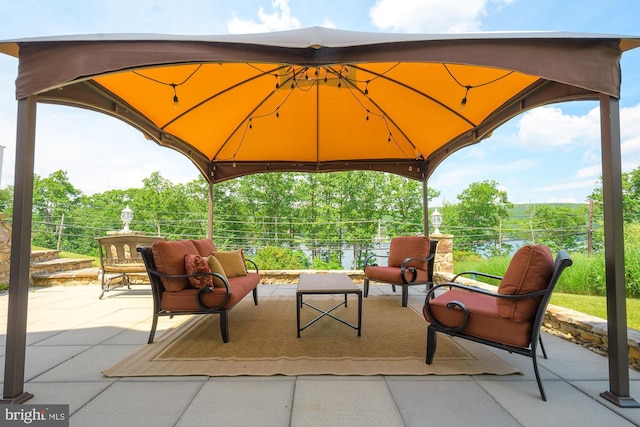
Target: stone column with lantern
[443, 262]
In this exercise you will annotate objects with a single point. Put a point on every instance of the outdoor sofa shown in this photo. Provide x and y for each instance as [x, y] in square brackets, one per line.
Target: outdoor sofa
[193, 277]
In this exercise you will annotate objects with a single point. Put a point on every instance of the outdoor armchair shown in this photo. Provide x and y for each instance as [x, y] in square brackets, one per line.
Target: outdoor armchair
[509, 319]
[410, 262]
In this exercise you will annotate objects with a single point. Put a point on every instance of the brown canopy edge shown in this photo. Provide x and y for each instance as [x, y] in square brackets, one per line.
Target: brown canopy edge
[587, 61]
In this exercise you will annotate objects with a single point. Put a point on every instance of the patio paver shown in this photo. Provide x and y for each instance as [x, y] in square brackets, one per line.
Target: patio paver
[73, 336]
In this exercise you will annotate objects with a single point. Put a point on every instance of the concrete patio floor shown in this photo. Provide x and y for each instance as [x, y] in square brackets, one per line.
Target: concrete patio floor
[73, 336]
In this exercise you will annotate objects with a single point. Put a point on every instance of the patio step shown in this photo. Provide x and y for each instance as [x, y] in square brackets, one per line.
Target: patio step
[46, 268]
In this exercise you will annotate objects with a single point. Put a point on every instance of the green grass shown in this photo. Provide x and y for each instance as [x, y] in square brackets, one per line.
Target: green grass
[597, 306]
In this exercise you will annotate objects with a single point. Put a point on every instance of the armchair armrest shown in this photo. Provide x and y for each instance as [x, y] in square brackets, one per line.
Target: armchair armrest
[414, 271]
[451, 305]
[255, 266]
[476, 273]
[372, 257]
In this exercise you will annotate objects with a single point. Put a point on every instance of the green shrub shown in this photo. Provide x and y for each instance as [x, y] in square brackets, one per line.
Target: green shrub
[275, 258]
[585, 277]
[332, 264]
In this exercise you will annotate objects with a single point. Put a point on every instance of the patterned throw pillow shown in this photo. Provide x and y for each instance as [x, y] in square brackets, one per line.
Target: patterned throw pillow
[197, 264]
[216, 267]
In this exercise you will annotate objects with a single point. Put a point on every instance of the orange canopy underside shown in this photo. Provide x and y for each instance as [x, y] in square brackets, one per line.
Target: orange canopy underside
[266, 112]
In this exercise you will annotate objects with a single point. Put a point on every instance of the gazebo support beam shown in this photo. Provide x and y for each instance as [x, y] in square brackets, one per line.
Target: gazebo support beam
[14, 362]
[425, 205]
[614, 255]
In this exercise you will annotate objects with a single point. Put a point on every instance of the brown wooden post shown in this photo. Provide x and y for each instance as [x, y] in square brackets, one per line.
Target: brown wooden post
[614, 254]
[14, 361]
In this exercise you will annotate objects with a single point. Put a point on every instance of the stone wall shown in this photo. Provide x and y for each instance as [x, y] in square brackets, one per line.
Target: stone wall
[443, 262]
[5, 249]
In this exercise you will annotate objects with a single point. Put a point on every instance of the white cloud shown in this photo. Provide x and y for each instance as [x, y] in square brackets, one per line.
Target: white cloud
[548, 128]
[630, 135]
[279, 20]
[434, 16]
[592, 172]
[474, 153]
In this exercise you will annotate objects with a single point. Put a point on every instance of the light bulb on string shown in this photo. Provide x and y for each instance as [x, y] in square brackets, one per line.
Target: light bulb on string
[176, 101]
[463, 103]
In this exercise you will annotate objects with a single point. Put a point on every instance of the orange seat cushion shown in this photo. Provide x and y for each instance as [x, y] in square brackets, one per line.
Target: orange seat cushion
[484, 319]
[392, 274]
[185, 300]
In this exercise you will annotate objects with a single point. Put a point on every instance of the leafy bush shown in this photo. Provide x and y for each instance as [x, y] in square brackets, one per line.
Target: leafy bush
[585, 277]
[275, 258]
[332, 264]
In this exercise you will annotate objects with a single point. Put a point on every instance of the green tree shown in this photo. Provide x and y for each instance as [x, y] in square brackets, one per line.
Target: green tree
[6, 200]
[479, 214]
[53, 197]
[561, 227]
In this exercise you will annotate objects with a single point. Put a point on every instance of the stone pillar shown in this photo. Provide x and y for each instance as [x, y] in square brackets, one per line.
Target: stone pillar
[5, 249]
[443, 262]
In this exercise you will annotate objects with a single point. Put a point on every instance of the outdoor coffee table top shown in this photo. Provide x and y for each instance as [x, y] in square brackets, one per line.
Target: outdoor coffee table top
[329, 283]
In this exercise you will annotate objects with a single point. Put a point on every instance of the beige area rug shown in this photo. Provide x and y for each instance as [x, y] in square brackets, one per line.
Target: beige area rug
[263, 342]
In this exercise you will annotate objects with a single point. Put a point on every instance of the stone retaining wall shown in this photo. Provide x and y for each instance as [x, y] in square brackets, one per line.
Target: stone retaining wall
[5, 249]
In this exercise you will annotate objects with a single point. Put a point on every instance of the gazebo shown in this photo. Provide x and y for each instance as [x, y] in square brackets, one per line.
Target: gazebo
[318, 100]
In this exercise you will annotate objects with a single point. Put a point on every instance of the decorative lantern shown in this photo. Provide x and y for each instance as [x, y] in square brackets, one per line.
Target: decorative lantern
[126, 216]
[436, 220]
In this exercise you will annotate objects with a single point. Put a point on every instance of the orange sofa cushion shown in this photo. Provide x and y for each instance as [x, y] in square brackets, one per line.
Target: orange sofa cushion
[204, 246]
[169, 259]
[185, 300]
[484, 319]
[405, 247]
[530, 270]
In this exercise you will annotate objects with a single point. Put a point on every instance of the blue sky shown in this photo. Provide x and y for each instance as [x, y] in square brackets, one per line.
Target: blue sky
[550, 154]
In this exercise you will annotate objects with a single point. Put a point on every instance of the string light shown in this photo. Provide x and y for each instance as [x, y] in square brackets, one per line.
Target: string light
[174, 86]
[463, 103]
[176, 101]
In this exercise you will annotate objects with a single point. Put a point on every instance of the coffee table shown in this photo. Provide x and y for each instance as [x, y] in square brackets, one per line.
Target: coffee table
[333, 284]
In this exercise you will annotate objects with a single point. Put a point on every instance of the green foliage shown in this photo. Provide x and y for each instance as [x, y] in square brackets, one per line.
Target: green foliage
[585, 277]
[332, 264]
[560, 227]
[478, 216]
[276, 258]
[6, 200]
